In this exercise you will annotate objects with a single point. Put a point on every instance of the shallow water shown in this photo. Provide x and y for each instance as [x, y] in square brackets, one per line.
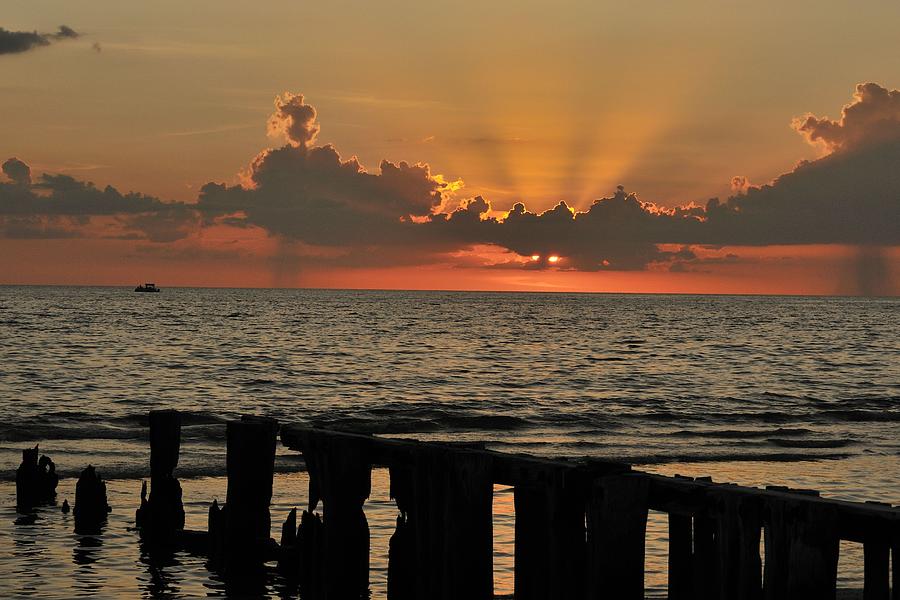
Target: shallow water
[802, 391]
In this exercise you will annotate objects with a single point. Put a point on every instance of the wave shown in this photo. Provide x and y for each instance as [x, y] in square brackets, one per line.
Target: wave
[740, 433]
[649, 459]
[141, 470]
[839, 443]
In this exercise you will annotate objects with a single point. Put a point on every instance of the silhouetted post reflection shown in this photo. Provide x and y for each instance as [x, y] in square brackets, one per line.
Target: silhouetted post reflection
[160, 583]
[85, 553]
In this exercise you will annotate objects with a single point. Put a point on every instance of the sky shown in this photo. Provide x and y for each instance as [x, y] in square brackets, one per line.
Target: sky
[689, 147]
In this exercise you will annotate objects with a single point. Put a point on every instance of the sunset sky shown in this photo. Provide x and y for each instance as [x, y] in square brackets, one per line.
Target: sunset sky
[430, 145]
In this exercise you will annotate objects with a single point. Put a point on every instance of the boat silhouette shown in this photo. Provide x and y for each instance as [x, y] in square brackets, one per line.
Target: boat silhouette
[147, 287]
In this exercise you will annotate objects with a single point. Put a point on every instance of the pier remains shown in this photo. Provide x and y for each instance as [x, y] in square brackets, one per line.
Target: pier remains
[580, 525]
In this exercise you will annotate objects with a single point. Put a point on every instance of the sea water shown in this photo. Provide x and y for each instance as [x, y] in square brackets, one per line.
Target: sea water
[800, 391]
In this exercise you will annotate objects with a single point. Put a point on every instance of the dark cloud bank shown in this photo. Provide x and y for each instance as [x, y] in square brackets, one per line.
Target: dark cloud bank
[14, 42]
[310, 194]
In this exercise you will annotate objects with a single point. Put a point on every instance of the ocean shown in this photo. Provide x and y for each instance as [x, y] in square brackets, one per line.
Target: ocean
[752, 389]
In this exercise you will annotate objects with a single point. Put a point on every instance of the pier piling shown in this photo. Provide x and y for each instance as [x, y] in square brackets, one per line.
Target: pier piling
[91, 508]
[550, 534]
[242, 527]
[616, 536]
[340, 475]
[680, 557]
[160, 517]
[36, 480]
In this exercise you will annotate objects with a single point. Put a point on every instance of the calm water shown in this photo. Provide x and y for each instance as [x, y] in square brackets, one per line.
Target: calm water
[756, 390]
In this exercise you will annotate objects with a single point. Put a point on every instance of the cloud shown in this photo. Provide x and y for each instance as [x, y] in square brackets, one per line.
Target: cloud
[294, 119]
[872, 117]
[14, 42]
[310, 197]
[17, 171]
[65, 32]
[58, 205]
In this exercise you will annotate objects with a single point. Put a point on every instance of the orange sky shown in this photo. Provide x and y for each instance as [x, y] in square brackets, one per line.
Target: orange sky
[515, 103]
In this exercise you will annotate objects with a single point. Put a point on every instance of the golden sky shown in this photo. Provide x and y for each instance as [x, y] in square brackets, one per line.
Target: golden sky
[530, 102]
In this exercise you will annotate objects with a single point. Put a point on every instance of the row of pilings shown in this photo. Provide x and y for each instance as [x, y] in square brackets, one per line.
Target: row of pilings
[580, 526]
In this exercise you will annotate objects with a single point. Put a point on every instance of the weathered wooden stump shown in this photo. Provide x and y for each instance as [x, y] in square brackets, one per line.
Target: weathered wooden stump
[160, 517]
[239, 533]
[680, 557]
[451, 517]
[36, 480]
[616, 536]
[91, 508]
[340, 473]
[550, 547]
[311, 541]
[738, 528]
[706, 556]
[401, 584]
[802, 548]
[876, 556]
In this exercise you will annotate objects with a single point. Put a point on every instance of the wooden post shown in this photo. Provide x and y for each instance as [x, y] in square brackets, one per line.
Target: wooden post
[402, 567]
[163, 514]
[616, 536]
[876, 552]
[549, 539]
[802, 547]
[452, 523]
[813, 551]
[36, 481]
[706, 557]
[250, 465]
[777, 542]
[310, 540]
[680, 557]
[738, 525]
[340, 473]
[91, 508]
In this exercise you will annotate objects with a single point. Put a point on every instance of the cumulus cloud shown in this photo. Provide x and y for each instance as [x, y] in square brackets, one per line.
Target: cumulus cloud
[14, 42]
[872, 117]
[740, 184]
[311, 197]
[17, 171]
[295, 120]
[310, 193]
